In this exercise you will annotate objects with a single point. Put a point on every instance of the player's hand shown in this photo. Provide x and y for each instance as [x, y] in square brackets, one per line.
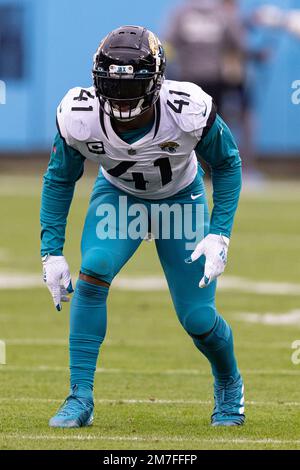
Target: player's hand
[214, 248]
[56, 275]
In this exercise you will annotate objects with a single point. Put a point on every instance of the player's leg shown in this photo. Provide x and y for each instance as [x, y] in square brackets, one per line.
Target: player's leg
[102, 258]
[197, 313]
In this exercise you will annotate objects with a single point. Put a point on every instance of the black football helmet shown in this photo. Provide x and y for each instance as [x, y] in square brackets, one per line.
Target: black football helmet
[128, 72]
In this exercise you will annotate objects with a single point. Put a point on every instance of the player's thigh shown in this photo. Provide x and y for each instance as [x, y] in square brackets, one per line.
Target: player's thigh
[105, 244]
[195, 307]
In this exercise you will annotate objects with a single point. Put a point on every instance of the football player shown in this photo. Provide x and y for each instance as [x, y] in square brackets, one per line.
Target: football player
[145, 133]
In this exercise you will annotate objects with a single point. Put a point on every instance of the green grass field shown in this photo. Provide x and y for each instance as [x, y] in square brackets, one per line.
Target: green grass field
[153, 390]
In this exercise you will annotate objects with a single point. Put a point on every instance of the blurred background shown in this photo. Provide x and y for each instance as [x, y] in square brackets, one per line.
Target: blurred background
[247, 55]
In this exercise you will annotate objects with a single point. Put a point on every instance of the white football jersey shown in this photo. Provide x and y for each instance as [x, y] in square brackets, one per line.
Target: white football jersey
[161, 163]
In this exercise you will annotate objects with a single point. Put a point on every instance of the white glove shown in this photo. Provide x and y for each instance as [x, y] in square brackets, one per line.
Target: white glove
[56, 272]
[214, 248]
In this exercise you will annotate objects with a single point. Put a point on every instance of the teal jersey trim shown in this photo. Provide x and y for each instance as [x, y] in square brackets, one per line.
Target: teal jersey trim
[219, 150]
[136, 134]
[66, 166]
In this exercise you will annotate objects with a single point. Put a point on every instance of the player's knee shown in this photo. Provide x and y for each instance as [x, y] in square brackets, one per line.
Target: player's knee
[199, 321]
[90, 293]
[98, 263]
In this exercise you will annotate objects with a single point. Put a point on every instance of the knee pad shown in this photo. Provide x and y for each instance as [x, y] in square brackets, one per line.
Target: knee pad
[98, 263]
[200, 320]
[84, 290]
[219, 337]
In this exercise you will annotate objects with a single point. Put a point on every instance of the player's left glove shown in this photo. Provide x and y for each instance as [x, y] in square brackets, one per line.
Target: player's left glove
[214, 248]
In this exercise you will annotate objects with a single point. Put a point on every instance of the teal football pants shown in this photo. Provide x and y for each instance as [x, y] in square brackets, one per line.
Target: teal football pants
[104, 259]
[104, 256]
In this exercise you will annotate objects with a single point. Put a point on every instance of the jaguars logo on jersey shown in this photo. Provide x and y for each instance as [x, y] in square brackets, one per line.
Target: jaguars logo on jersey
[170, 147]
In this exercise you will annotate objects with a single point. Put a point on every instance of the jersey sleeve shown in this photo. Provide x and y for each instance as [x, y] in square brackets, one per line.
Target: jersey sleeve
[66, 166]
[62, 113]
[219, 150]
[189, 107]
[204, 111]
[72, 119]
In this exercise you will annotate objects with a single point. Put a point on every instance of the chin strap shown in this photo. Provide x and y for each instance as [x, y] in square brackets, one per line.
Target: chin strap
[128, 115]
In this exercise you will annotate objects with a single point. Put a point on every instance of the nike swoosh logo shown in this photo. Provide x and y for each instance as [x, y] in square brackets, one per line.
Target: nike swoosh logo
[196, 196]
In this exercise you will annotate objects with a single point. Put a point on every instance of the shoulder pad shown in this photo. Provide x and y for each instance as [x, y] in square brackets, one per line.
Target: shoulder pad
[188, 104]
[76, 113]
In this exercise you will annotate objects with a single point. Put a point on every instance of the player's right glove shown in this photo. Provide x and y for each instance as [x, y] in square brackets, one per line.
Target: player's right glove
[56, 275]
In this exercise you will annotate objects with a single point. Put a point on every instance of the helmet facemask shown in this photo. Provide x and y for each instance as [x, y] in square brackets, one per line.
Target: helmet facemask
[123, 94]
[128, 72]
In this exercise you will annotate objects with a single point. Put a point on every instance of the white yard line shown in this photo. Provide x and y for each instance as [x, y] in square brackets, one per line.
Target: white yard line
[44, 368]
[158, 283]
[28, 185]
[20, 281]
[36, 342]
[275, 319]
[136, 343]
[258, 287]
[90, 437]
[245, 371]
[153, 401]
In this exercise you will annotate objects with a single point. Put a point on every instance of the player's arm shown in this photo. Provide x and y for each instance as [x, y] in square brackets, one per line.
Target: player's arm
[66, 166]
[219, 150]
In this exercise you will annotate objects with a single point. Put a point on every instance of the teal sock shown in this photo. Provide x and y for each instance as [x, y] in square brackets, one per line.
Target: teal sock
[87, 332]
[218, 348]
